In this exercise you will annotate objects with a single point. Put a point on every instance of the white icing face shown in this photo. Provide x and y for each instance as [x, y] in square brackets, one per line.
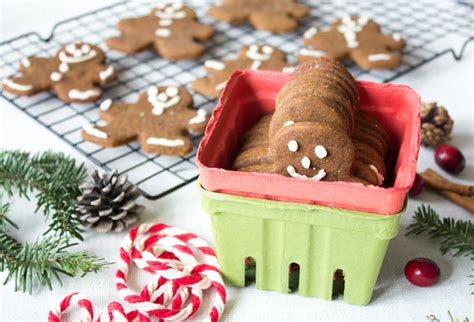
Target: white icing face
[161, 101]
[260, 53]
[350, 27]
[76, 53]
[320, 152]
[170, 11]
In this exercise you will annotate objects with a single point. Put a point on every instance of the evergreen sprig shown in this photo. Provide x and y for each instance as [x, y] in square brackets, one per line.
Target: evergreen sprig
[56, 179]
[455, 235]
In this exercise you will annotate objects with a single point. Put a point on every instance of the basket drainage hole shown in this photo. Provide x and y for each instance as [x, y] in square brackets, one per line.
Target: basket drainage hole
[294, 277]
[250, 271]
[337, 283]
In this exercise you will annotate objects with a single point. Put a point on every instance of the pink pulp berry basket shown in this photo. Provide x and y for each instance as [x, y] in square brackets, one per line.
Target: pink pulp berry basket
[250, 94]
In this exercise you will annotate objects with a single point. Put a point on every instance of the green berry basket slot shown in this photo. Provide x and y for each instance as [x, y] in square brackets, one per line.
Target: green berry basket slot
[321, 240]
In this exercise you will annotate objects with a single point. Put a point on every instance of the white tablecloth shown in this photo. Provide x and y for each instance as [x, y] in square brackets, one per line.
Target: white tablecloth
[443, 80]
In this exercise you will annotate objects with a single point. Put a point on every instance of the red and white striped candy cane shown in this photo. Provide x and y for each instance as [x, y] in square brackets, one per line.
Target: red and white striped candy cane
[166, 252]
[176, 289]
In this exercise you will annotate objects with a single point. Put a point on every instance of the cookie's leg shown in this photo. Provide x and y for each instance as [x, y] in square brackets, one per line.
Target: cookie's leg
[161, 142]
[206, 86]
[375, 58]
[77, 90]
[179, 48]
[111, 134]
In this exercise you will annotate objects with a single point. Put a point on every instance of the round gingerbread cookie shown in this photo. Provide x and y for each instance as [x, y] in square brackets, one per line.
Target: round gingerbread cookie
[315, 151]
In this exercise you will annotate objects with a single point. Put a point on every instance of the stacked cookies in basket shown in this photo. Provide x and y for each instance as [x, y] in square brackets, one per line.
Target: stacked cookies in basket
[317, 131]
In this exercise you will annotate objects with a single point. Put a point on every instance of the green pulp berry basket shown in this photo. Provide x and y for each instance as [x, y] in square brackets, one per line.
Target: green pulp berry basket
[319, 239]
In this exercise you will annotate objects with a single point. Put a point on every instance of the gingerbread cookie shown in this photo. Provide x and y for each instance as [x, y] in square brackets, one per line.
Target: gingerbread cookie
[171, 29]
[159, 121]
[277, 16]
[357, 38]
[316, 131]
[74, 74]
[262, 57]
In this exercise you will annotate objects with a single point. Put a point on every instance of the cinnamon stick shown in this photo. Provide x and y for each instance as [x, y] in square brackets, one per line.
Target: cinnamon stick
[462, 201]
[434, 180]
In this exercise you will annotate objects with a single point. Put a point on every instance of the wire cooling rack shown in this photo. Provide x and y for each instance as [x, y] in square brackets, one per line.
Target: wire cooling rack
[421, 23]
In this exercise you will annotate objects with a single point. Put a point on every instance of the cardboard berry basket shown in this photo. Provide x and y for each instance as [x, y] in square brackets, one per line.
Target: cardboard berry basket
[321, 226]
[250, 94]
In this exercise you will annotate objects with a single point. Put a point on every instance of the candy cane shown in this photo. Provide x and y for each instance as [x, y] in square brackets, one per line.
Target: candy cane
[176, 288]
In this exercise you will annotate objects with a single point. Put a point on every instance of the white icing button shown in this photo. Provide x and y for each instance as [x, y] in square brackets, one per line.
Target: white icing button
[177, 5]
[320, 151]
[152, 91]
[63, 68]
[306, 162]
[267, 50]
[253, 48]
[105, 105]
[172, 91]
[162, 97]
[396, 37]
[165, 22]
[162, 32]
[56, 77]
[85, 48]
[293, 146]
[288, 123]
[25, 61]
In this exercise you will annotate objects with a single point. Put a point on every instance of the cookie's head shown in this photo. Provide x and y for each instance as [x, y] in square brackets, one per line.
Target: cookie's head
[168, 11]
[164, 98]
[315, 151]
[80, 53]
[262, 53]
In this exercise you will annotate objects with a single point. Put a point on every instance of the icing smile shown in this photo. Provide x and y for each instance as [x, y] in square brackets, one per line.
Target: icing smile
[163, 100]
[292, 172]
[73, 54]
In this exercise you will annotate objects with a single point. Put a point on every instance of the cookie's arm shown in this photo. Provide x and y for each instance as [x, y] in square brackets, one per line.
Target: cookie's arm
[393, 42]
[298, 10]
[201, 31]
[324, 44]
[105, 74]
[229, 13]
[137, 34]
[36, 77]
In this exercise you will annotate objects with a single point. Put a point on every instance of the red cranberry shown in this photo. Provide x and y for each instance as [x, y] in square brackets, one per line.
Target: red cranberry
[417, 187]
[450, 158]
[422, 272]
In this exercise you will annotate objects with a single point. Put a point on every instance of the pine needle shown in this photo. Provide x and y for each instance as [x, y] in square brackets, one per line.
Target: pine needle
[454, 235]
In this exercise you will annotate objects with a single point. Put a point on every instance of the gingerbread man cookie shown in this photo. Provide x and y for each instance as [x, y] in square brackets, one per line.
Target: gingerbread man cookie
[159, 121]
[277, 16]
[74, 74]
[262, 57]
[171, 29]
[357, 38]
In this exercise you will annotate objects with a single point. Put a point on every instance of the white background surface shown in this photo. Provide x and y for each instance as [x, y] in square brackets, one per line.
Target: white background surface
[444, 80]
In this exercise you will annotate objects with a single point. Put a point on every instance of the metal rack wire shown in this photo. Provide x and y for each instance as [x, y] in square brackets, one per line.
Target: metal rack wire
[422, 24]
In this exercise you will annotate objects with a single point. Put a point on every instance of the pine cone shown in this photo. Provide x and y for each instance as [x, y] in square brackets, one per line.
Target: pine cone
[436, 125]
[108, 202]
